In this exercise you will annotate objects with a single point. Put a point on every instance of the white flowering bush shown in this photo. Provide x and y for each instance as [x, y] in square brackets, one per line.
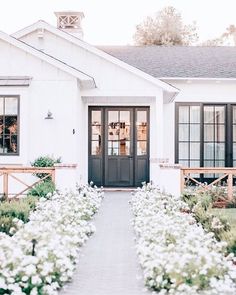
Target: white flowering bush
[176, 254]
[41, 256]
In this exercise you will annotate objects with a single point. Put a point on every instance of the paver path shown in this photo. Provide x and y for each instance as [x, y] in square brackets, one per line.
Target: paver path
[108, 263]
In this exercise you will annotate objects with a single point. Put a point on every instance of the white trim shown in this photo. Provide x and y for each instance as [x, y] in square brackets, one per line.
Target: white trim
[84, 78]
[42, 24]
[197, 79]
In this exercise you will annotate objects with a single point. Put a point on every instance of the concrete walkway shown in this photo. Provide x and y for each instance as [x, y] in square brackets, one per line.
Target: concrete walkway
[108, 263]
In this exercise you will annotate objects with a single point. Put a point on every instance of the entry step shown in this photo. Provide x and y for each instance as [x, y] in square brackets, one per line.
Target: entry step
[119, 189]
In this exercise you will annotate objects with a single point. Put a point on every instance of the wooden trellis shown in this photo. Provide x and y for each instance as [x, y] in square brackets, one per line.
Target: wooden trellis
[226, 173]
[7, 172]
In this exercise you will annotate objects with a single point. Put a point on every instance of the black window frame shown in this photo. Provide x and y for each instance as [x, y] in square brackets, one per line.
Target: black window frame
[228, 130]
[17, 153]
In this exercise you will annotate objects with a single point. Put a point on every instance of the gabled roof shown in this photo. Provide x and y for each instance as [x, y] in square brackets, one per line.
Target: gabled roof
[179, 61]
[43, 25]
[84, 79]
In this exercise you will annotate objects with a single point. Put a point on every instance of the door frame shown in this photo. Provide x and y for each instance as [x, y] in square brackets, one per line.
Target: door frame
[103, 109]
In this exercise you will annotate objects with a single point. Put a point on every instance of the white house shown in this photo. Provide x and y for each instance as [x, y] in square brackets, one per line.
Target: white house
[115, 112]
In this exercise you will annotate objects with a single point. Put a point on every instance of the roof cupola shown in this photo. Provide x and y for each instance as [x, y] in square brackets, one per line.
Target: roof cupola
[70, 22]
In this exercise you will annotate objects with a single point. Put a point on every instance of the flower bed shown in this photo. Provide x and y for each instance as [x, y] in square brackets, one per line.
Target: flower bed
[176, 254]
[41, 256]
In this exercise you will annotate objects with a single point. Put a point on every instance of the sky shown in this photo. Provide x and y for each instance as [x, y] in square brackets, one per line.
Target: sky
[113, 22]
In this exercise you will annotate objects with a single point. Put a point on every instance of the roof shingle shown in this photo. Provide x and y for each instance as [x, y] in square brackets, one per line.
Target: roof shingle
[178, 61]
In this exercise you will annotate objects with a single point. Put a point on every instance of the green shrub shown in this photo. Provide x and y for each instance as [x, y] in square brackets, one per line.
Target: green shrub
[18, 208]
[42, 189]
[231, 204]
[6, 223]
[232, 247]
[45, 161]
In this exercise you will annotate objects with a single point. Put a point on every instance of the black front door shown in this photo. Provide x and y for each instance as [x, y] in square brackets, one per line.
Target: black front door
[118, 146]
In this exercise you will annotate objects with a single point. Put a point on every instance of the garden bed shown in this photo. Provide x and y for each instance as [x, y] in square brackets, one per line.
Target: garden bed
[177, 255]
[41, 256]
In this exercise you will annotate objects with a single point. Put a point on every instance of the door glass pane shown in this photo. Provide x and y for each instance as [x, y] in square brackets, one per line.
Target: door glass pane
[209, 151]
[194, 132]
[125, 133]
[113, 117]
[141, 148]
[184, 163]
[194, 164]
[219, 151]
[184, 114]
[234, 132]
[113, 132]
[10, 106]
[234, 114]
[142, 132]
[209, 132]
[96, 148]
[141, 118]
[1, 126]
[96, 117]
[219, 163]
[219, 114]
[96, 132]
[1, 105]
[209, 114]
[183, 150]
[125, 117]
[219, 133]
[194, 151]
[113, 148]
[234, 151]
[194, 114]
[124, 148]
[1, 145]
[183, 132]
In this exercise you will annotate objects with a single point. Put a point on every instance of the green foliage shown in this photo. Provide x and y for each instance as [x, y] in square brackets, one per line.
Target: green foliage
[6, 223]
[42, 189]
[221, 222]
[203, 199]
[45, 161]
[231, 204]
[19, 209]
[232, 246]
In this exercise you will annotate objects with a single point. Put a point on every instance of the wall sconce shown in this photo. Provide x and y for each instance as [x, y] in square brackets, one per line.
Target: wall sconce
[49, 115]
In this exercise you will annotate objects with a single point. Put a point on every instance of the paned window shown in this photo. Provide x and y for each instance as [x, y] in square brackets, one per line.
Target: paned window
[189, 135]
[9, 125]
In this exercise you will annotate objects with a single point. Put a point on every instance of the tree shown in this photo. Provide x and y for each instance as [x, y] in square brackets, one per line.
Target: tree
[213, 42]
[227, 38]
[165, 28]
[230, 33]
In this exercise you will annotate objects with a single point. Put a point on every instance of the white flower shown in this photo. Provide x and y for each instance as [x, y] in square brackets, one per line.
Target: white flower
[45, 249]
[174, 251]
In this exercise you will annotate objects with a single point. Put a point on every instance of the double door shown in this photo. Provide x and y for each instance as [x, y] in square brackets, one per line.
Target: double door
[118, 146]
